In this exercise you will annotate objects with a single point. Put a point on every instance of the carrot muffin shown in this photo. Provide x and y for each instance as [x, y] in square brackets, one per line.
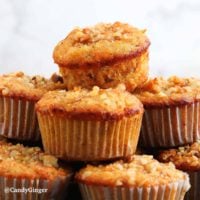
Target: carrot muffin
[23, 168]
[89, 125]
[186, 158]
[104, 55]
[171, 111]
[18, 95]
[141, 178]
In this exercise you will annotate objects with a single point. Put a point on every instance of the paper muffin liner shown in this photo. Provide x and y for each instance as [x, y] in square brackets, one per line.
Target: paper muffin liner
[89, 140]
[194, 192]
[32, 189]
[18, 119]
[170, 127]
[172, 191]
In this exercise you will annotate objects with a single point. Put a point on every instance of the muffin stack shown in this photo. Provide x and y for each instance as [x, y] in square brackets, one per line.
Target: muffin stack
[101, 121]
[94, 116]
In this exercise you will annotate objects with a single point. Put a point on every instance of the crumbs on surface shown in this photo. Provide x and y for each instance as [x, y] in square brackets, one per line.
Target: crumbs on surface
[141, 171]
[28, 162]
[114, 101]
[30, 87]
[174, 90]
[100, 43]
[185, 158]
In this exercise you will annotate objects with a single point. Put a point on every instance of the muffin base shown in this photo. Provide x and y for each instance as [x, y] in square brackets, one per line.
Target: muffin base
[18, 119]
[170, 127]
[132, 72]
[172, 191]
[14, 188]
[89, 140]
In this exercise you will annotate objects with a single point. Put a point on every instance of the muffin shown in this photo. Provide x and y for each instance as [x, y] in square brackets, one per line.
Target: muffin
[141, 178]
[29, 173]
[90, 125]
[18, 95]
[103, 55]
[172, 112]
[186, 158]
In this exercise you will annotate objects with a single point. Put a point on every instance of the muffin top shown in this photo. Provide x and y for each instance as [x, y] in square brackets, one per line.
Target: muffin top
[171, 91]
[28, 162]
[27, 87]
[141, 171]
[106, 104]
[186, 158]
[99, 45]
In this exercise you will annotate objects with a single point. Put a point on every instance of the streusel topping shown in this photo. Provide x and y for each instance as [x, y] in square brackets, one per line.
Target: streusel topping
[185, 158]
[17, 160]
[113, 101]
[106, 32]
[100, 44]
[141, 171]
[174, 90]
[30, 87]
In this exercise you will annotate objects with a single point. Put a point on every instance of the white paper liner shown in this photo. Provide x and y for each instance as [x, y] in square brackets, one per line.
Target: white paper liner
[55, 190]
[194, 192]
[18, 119]
[89, 140]
[172, 191]
[170, 127]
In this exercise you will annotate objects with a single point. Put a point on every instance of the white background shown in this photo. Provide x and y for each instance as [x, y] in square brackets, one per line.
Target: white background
[29, 30]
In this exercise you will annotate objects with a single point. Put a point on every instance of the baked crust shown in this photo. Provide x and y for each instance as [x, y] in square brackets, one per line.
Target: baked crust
[185, 158]
[95, 104]
[21, 86]
[101, 45]
[17, 161]
[174, 91]
[141, 171]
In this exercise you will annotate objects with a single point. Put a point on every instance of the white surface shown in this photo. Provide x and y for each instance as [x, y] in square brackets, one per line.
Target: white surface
[29, 30]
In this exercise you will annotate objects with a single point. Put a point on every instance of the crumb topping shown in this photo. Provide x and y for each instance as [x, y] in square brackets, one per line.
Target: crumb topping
[141, 171]
[107, 32]
[174, 90]
[31, 87]
[114, 101]
[185, 158]
[100, 43]
[17, 160]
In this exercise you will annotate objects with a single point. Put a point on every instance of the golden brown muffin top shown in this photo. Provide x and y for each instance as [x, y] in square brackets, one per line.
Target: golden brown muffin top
[186, 158]
[19, 85]
[28, 162]
[172, 91]
[91, 104]
[142, 171]
[100, 45]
